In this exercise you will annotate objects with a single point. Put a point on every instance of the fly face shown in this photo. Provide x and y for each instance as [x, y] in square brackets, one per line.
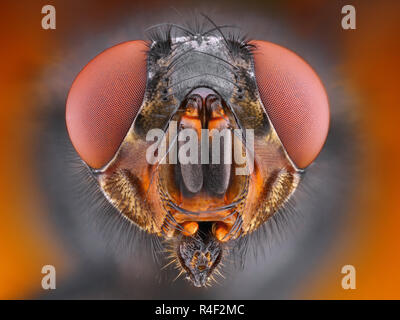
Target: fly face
[198, 139]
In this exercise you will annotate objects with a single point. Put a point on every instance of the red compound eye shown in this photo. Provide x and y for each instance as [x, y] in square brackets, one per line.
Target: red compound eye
[295, 101]
[104, 100]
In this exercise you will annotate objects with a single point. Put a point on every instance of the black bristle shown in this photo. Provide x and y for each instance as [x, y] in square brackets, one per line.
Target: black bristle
[240, 45]
[161, 41]
[160, 36]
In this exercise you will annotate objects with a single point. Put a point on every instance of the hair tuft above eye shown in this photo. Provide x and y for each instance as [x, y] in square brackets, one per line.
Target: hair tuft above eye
[160, 41]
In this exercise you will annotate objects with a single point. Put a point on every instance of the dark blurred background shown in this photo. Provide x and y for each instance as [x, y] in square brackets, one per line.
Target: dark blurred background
[348, 207]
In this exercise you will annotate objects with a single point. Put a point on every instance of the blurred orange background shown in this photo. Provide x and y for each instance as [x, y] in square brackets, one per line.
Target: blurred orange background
[369, 63]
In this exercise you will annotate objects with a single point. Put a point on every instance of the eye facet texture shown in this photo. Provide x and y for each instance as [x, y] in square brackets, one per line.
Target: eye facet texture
[104, 100]
[295, 101]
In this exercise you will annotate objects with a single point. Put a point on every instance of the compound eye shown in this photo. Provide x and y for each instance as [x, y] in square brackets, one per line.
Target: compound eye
[295, 101]
[104, 100]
